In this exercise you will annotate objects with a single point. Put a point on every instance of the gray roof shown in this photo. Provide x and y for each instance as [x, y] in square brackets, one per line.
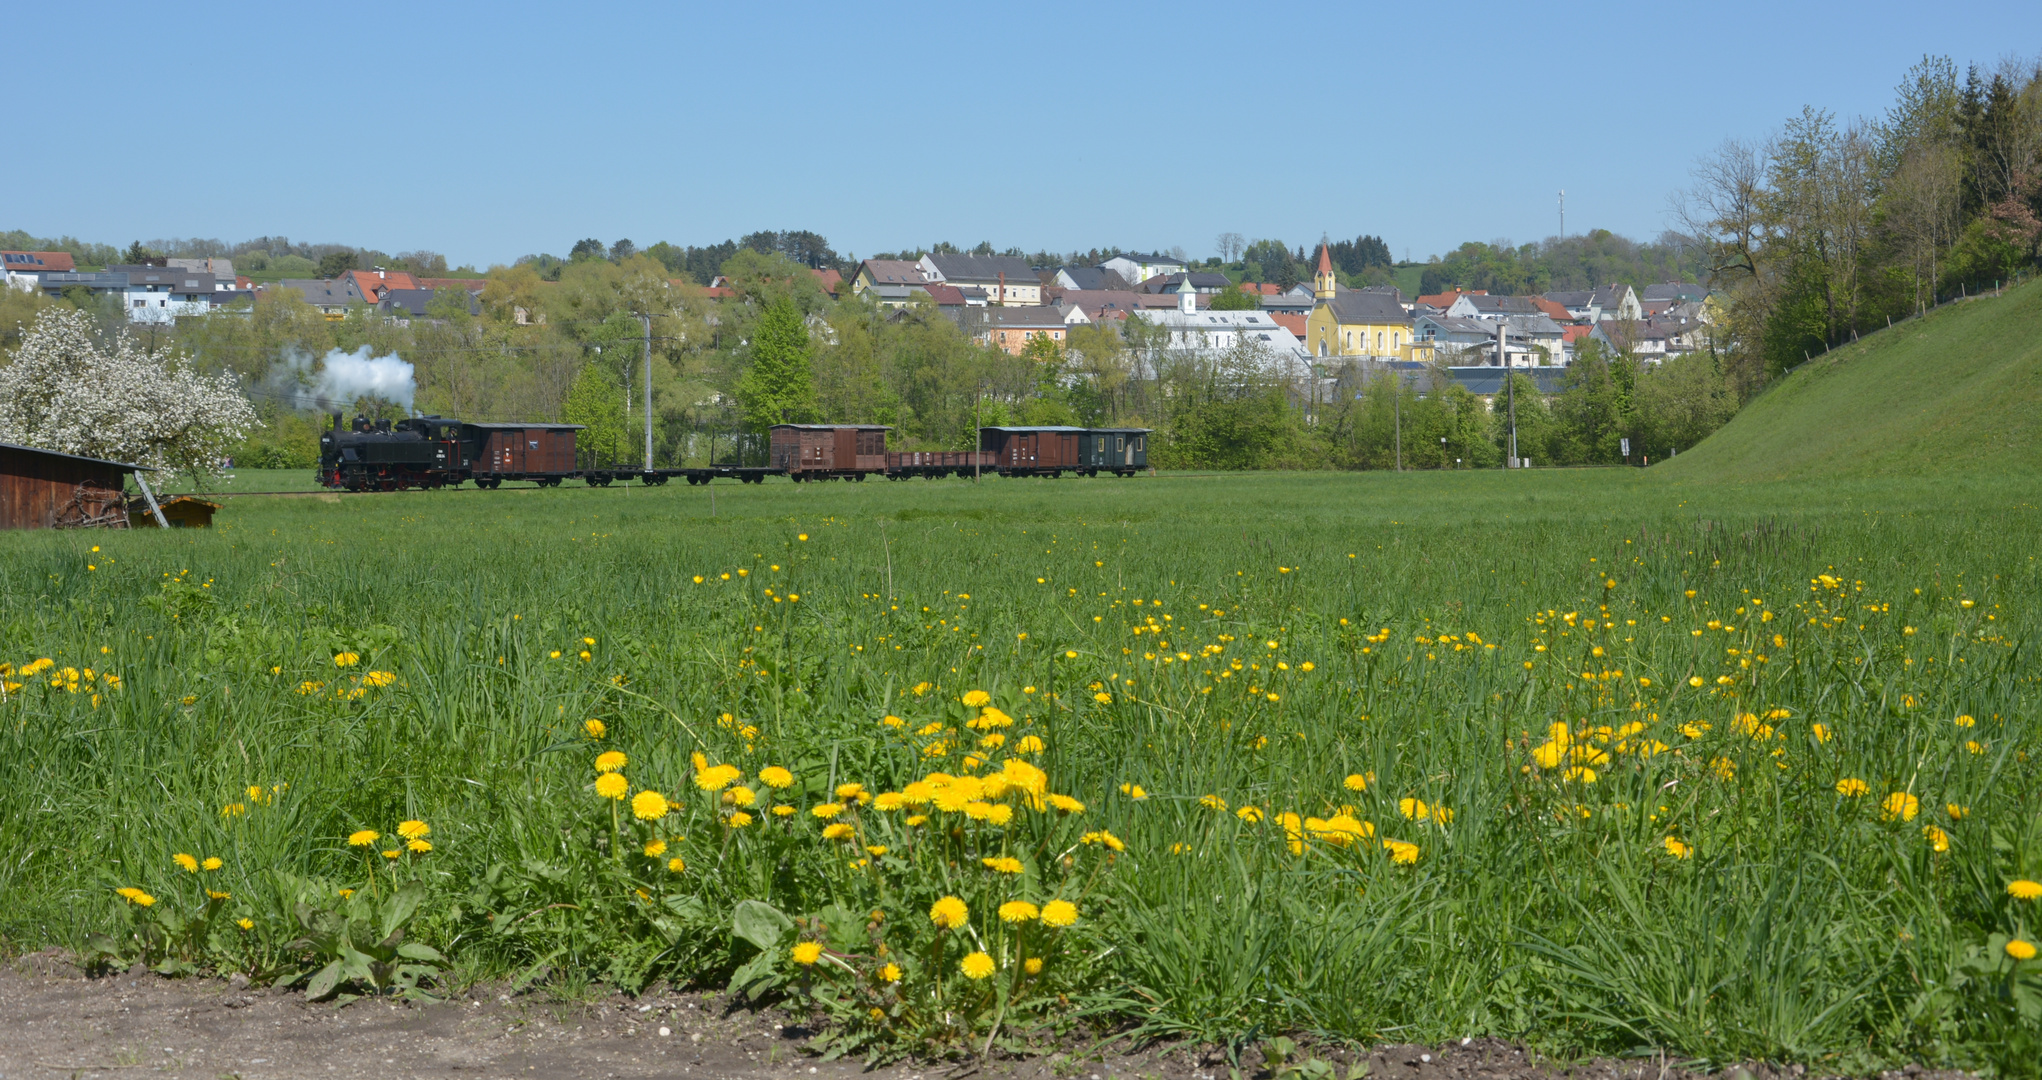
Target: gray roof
[414, 301]
[1094, 278]
[322, 291]
[1025, 316]
[1609, 296]
[1201, 280]
[1570, 299]
[984, 269]
[1355, 306]
[78, 457]
[894, 272]
[1150, 257]
[1487, 381]
[1501, 305]
[1676, 291]
[172, 278]
[219, 268]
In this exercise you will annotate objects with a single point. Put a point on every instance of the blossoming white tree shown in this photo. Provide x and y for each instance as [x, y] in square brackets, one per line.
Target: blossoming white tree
[69, 392]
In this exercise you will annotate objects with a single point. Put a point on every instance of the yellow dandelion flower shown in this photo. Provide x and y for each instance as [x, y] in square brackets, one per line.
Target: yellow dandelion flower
[847, 792]
[1900, 805]
[1852, 787]
[346, 659]
[890, 973]
[2024, 889]
[245, 924]
[234, 809]
[676, 865]
[775, 777]
[655, 848]
[1033, 965]
[412, 830]
[1401, 852]
[1103, 698]
[1029, 744]
[1249, 814]
[806, 953]
[363, 838]
[888, 801]
[1414, 809]
[185, 862]
[839, 831]
[1059, 913]
[1067, 804]
[610, 761]
[135, 896]
[949, 913]
[827, 810]
[1005, 864]
[2016, 948]
[717, 777]
[1018, 911]
[739, 820]
[391, 853]
[648, 805]
[1937, 838]
[1677, 849]
[1356, 781]
[1133, 791]
[594, 728]
[212, 862]
[1212, 802]
[978, 965]
[612, 786]
[976, 698]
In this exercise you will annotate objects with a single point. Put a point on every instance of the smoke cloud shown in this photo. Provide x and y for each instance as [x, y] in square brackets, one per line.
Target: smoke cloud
[340, 379]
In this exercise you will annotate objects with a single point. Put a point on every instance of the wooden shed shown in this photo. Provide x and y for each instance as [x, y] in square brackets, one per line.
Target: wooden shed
[43, 489]
[181, 511]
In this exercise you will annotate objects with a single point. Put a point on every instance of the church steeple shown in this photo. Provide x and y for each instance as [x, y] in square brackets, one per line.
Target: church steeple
[1323, 283]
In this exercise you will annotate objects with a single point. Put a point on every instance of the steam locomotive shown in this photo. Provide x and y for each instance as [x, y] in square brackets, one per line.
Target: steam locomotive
[435, 452]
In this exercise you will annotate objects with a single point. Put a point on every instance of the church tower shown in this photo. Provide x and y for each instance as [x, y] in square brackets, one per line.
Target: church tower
[1322, 281]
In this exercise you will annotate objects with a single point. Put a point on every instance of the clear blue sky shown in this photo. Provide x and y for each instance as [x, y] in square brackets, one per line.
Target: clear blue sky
[487, 132]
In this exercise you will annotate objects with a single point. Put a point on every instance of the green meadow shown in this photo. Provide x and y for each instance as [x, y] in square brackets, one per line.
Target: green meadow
[1608, 761]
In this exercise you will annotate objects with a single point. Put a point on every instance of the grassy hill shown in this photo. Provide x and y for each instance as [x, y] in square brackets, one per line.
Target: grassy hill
[1957, 391]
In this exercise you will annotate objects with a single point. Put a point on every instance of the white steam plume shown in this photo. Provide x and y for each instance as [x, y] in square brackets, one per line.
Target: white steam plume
[341, 379]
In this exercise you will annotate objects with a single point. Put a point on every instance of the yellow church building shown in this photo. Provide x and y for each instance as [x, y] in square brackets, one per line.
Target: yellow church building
[1358, 323]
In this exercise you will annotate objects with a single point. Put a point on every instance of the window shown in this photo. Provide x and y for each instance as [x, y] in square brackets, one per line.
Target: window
[140, 303]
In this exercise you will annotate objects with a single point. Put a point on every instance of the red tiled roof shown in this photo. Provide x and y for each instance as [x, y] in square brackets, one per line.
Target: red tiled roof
[829, 279]
[371, 283]
[1261, 289]
[1445, 300]
[1576, 333]
[1554, 311]
[945, 295]
[39, 261]
[1293, 323]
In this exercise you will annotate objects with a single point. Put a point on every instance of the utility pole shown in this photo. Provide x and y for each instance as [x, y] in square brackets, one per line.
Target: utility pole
[1563, 213]
[1397, 412]
[978, 435]
[1509, 388]
[646, 320]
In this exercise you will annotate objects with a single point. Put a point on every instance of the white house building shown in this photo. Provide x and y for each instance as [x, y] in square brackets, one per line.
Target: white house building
[1203, 331]
[1135, 267]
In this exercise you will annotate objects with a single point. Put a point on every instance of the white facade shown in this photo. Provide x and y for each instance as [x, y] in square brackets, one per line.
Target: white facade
[1205, 331]
[1135, 269]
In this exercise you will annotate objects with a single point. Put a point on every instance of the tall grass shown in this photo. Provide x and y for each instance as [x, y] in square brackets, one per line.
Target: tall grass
[1803, 924]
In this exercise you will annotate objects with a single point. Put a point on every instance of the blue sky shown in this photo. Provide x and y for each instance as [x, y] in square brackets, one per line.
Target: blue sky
[486, 132]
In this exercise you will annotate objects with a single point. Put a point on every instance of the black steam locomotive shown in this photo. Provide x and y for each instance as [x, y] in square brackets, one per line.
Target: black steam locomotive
[434, 451]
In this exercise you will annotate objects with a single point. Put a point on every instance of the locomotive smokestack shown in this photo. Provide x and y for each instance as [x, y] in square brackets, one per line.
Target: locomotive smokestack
[336, 421]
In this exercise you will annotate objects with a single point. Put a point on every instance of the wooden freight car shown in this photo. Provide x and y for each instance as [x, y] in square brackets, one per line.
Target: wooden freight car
[1120, 451]
[829, 451]
[1032, 451]
[930, 464]
[499, 452]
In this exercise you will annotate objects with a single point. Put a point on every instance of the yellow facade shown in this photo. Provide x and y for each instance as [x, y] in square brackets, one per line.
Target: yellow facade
[1366, 333]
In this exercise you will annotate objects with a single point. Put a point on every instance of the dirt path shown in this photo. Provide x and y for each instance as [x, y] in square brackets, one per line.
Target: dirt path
[56, 1023]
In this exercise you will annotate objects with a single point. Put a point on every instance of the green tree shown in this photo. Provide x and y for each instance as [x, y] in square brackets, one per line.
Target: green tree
[1234, 300]
[778, 385]
[335, 263]
[593, 401]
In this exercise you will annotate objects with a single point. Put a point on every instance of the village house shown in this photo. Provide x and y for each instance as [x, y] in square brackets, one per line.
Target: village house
[1135, 267]
[888, 282]
[1008, 280]
[1203, 331]
[1010, 329]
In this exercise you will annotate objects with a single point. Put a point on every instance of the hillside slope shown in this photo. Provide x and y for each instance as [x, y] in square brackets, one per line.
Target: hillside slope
[1959, 391]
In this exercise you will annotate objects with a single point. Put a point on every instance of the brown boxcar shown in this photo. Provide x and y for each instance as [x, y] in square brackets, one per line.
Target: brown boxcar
[818, 451]
[499, 452]
[933, 463]
[1032, 451]
[42, 489]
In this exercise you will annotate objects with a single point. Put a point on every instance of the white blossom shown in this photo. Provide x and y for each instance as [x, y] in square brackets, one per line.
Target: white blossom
[69, 392]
